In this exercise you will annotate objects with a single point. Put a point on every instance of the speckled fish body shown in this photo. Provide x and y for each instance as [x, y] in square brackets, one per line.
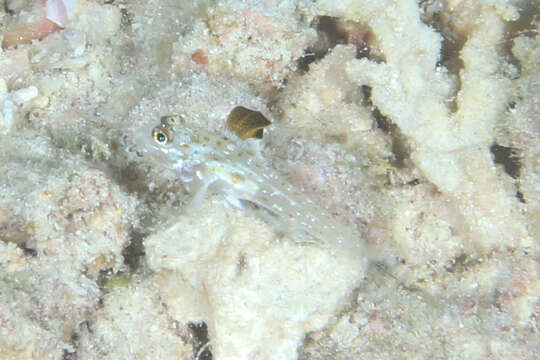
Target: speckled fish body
[229, 164]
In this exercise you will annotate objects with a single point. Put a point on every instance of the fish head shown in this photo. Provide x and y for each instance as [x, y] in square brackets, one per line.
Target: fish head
[158, 143]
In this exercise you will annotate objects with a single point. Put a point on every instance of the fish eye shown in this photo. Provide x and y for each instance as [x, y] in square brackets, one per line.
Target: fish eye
[161, 136]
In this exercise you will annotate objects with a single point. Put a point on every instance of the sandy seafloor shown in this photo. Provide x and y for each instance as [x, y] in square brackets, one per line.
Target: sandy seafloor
[415, 125]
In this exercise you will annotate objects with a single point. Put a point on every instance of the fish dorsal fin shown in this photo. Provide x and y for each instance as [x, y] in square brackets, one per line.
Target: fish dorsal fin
[246, 123]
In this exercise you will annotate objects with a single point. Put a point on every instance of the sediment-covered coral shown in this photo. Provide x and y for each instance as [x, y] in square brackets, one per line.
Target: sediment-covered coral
[133, 322]
[62, 223]
[324, 103]
[260, 294]
[254, 42]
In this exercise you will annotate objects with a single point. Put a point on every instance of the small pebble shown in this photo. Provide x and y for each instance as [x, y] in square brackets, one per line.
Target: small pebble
[23, 96]
[39, 102]
[3, 86]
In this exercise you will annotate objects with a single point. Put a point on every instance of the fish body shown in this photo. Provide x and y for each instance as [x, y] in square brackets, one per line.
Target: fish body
[229, 164]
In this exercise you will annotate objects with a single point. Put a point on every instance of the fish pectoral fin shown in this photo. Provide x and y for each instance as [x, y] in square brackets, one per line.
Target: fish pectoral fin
[234, 201]
[199, 190]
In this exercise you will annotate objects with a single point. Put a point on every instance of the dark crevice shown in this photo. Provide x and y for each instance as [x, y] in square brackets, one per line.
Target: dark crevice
[15, 7]
[400, 148]
[19, 239]
[71, 354]
[103, 277]
[332, 31]
[7, 9]
[134, 252]
[328, 36]
[452, 42]
[450, 49]
[126, 18]
[108, 280]
[382, 121]
[451, 60]
[200, 340]
[28, 251]
[520, 197]
[461, 263]
[507, 157]
[451, 45]
[129, 177]
[241, 264]
[525, 25]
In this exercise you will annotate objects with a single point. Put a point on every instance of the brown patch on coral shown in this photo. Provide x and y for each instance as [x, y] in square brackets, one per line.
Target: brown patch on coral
[24, 33]
[199, 57]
